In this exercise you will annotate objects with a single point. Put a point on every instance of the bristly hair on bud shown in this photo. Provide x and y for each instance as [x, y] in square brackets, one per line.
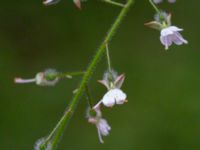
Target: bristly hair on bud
[39, 145]
[161, 20]
[112, 80]
[163, 17]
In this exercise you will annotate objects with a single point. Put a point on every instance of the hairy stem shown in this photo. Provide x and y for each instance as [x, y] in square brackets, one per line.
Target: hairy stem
[57, 132]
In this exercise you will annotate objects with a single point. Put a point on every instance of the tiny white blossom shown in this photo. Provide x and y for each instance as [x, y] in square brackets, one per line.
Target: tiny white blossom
[114, 96]
[171, 35]
[102, 125]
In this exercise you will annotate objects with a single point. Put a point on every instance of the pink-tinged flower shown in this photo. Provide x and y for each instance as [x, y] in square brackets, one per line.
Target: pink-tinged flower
[171, 35]
[159, 1]
[103, 128]
[46, 78]
[114, 95]
[51, 2]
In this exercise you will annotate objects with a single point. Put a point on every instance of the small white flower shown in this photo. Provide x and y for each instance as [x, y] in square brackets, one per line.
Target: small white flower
[114, 96]
[41, 78]
[102, 125]
[171, 35]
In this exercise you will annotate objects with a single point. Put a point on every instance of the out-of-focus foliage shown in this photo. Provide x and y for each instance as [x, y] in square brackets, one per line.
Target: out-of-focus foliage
[163, 111]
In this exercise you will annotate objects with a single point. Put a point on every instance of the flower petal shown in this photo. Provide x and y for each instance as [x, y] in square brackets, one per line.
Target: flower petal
[119, 81]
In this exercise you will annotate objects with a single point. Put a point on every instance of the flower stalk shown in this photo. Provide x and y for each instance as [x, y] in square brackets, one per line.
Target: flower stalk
[57, 132]
[154, 6]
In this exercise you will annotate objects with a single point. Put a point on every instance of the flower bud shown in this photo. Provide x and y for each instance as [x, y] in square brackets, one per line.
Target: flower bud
[47, 78]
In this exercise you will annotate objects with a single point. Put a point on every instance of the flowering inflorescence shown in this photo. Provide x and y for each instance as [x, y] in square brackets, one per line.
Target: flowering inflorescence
[111, 80]
[113, 96]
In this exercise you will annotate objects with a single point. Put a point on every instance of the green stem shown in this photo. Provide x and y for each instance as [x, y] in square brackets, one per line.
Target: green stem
[63, 75]
[108, 59]
[114, 3]
[88, 96]
[59, 129]
[154, 6]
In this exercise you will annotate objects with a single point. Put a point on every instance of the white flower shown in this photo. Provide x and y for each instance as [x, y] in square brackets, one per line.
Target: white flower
[114, 96]
[102, 125]
[41, 78]
[171, 35]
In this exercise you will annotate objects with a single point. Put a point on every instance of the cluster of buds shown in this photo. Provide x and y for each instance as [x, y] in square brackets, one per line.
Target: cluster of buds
[114, 95]
[169, 33]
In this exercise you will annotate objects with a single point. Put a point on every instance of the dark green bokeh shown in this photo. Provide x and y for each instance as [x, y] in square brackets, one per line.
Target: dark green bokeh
[163, 112]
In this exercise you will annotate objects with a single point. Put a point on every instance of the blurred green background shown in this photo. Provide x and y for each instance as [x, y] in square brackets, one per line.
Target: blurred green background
[163, 87]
